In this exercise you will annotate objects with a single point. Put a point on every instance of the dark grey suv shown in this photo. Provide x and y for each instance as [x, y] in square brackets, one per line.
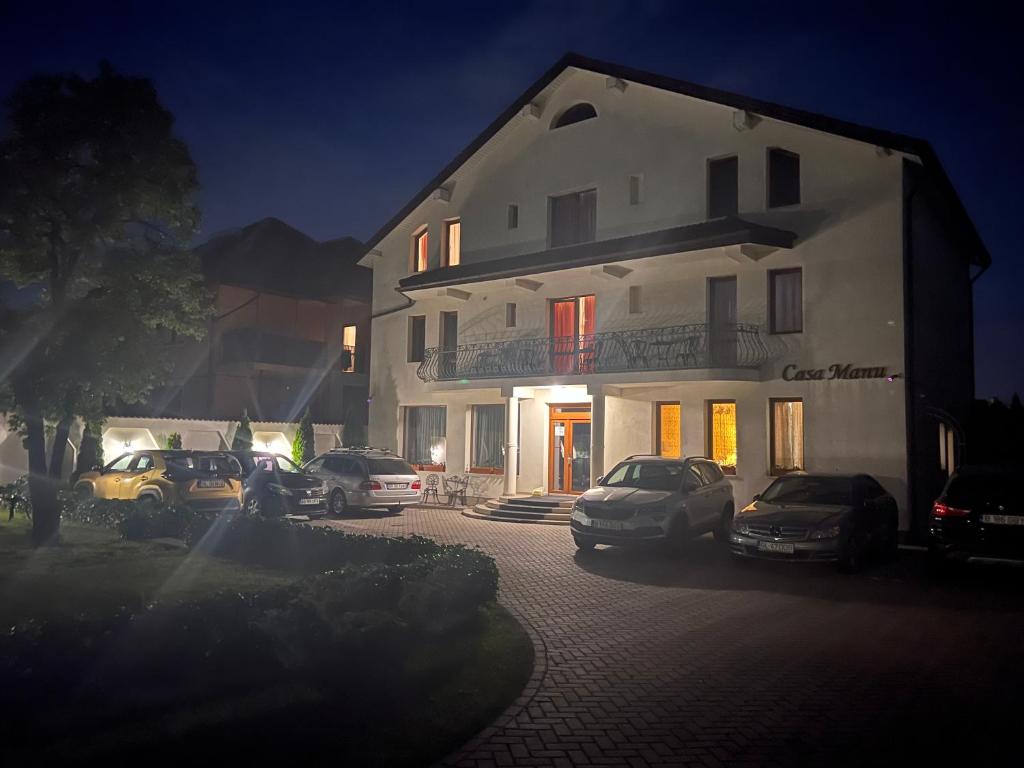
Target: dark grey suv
[651, 499]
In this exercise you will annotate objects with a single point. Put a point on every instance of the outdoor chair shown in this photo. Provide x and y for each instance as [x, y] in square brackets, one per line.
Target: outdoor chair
[430, 489]
[455, 487]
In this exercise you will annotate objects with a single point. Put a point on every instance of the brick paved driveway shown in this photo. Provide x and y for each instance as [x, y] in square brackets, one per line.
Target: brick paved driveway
[644, 661]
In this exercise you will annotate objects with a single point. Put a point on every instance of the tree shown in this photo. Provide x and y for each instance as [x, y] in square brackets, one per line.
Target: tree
[96, 216]
[303, 447]
[90, 451]
[242, 441]
[174, 441]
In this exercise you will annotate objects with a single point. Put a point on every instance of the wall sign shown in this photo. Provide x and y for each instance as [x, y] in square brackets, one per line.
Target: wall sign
[833, 372]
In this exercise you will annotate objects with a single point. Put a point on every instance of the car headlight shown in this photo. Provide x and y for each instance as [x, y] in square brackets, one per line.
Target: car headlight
[739, 526]
[279, 489]
[826, 533]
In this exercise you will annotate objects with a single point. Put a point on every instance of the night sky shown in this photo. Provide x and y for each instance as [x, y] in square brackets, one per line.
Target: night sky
[331, 116]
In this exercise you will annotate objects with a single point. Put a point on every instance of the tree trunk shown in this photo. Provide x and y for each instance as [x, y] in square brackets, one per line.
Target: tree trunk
[60, 446]
[42, 489]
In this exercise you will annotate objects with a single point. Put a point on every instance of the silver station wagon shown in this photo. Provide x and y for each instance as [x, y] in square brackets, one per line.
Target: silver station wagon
[654, 500]
[360, 478]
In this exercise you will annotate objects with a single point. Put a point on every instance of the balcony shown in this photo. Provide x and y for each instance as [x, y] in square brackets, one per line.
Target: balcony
[675, 348]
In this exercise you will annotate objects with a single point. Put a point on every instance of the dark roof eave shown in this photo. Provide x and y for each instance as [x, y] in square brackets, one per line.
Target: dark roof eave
[684, 239]
[890, 139]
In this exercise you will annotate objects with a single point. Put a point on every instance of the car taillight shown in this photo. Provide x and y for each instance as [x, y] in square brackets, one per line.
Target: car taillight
[369, 485]
[415, 485]
[944, 510]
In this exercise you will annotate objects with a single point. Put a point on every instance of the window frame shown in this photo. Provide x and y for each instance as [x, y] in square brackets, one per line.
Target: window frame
[772, 274]
[512, 216]
[636, 300]
[446, 250]
[511, 315]
[419, 234]
[707, 185]
[773, 469]
[430, 467]
[410, 351]
[768, 178]
[500, 470]
[344, 347]
[709, 433]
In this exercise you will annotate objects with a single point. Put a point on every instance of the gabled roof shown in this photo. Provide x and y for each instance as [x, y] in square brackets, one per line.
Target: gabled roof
[691, 237]
[888, 139]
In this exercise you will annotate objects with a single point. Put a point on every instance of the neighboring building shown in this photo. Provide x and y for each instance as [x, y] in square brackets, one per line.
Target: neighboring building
[291, 329]
[624, 263]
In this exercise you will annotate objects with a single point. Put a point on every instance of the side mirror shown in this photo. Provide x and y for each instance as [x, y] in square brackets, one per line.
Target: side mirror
[96, 468]
[599, 480]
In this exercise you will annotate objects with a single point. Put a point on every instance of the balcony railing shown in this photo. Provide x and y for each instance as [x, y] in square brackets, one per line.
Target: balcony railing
[678, 347]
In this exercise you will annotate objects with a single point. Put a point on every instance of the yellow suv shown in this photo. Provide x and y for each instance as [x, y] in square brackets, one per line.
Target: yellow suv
[205, 481]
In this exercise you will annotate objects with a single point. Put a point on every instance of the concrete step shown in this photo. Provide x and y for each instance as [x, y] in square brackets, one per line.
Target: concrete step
[502, 511]
[502, 518]
[551, 502]
[516, 506]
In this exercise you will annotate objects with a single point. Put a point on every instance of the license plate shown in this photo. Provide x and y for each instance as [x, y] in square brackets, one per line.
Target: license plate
[776, 546]
[396, 486]
[608, 525]
[1003, 519]
[211, 484]
[310, 501]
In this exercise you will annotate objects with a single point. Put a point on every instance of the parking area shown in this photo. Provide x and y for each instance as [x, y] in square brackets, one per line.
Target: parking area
[647, 661]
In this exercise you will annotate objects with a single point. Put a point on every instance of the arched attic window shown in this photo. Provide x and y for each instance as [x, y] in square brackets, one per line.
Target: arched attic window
[577, 113]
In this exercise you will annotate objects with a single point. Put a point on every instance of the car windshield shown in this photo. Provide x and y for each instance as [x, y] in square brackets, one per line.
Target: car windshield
[646, 475]
[389, 467]
[269, 462]
[810, 490]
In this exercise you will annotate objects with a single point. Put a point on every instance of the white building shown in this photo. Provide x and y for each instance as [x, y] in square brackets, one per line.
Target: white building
[622, 263]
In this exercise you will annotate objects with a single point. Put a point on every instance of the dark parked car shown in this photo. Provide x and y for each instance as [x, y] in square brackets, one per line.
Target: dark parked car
[653, 500]
[979, 515]
[274, 486]
[821, 517]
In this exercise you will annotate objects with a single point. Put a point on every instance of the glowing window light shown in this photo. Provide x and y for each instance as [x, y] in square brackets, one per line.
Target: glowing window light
[722, 433]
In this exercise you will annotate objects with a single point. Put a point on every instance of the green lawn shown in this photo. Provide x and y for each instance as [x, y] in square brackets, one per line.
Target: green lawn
[94, 572]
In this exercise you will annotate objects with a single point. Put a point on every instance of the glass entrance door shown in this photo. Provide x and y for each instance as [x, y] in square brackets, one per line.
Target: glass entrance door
[569, 455]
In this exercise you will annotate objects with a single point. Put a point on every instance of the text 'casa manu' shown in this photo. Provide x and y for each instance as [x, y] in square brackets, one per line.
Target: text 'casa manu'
[832, 373]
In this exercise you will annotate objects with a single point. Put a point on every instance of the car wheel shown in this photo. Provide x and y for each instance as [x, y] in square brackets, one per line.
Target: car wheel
[724, 524]
[254, 506]
[83, 491]
[148, 501]
[337, 504]
[851, 559]
[583, 544]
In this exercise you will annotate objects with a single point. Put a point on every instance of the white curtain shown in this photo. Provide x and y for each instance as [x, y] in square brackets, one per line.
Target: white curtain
[488, 436]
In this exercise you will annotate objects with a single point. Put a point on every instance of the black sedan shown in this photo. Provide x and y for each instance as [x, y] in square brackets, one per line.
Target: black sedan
[274, 486]
[820, 517]
[978, 516]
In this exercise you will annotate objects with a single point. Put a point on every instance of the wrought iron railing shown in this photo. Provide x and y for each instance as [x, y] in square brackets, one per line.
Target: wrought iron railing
[676, 347]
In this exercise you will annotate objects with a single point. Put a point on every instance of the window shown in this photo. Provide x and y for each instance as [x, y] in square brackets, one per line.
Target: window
[120, 464]
[947, 448]
[143, 463]
[453, 243]
[513, 216]
[348, 348]
[785, 301]
[449, 343]
[635, 306]
[510, 315]
[787, 435]
[417, 338]
[647, 475]
[636, 190]
[721, 434]
[425, 441]
[783, 178]
[488, 437]
[421, 250]
[573, 218]
[710, 472]
[667, 429]
[723, 187]
[577, 113]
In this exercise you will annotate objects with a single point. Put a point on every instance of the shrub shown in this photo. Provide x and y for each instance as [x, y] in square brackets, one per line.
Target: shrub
[134, 520]
[174, 441]
[242, 441]
[303, 446]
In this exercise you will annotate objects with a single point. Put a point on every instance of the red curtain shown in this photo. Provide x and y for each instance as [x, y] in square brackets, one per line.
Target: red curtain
[586, 329]
[563, 331]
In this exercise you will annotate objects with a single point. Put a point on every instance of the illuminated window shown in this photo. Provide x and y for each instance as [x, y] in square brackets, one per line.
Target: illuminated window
[425, 440]
[488, 438]
[348, 348]
[668, 430]
[420, 250]
[453, 243]
[947, 448]
[787, 431]
[721, 434]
